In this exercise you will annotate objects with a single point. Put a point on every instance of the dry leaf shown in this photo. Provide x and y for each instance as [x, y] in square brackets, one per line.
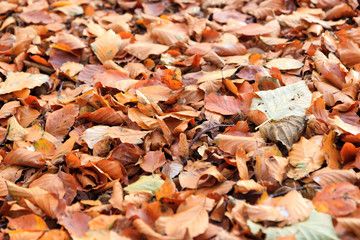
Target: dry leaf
[285, 132]
[16, 81]
[95, 134]
[193, 216]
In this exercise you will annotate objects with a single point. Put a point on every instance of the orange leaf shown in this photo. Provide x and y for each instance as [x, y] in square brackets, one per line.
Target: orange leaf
[172, 79]
[338, 199]
[117, 197]
[27, 222]
[166, 190]
[348, 153]
[332, 155]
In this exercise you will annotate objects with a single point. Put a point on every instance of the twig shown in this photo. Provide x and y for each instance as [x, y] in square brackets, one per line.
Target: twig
[6, 135]
[208, 129]
[287, 191]
[42, 68]
[283, 193]
[60, 88]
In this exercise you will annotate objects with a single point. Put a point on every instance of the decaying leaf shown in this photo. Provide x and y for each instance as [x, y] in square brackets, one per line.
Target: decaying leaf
[193, 216]
[95, 134]
[16, 81]
[291, 100]
[179, 119]
[338, 199]
[284, 132]
[152, 183]
[305, 156]
[284, 64]
[317, 226]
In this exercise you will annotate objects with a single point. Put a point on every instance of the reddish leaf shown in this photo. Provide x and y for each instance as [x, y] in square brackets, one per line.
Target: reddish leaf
[338, 199]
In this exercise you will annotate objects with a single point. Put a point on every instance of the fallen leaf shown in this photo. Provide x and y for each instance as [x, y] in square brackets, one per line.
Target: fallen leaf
[95, 134]
[144, 50]
[152, 161]
[193, 216]
[59, 122]
[229, 143]
[226, 105]
[16, 81]
[285, 132]
[106, 46]
[291, 100]
[338, 199]
[317, 226]
[151, 183]
[305, 156]
[284, 64]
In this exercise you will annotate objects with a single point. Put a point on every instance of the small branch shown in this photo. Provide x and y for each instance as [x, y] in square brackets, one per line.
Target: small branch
[208, 129]
[60, 88]
[6, 135]
[42, 68]
[297, 189]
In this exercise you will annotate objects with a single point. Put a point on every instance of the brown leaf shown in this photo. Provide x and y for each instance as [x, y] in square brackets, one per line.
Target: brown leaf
[95, 134]
[226, 105]
[117, 197]
[59, 122]
[284, 132]
[327, 176]
[153, 160]
[24, 157]
[229, 143]
[144, 50]
[106, 46]
[193, 214]
[166, 190]
[16, 81]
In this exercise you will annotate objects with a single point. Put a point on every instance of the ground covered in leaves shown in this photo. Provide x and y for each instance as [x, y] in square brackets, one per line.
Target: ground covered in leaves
[179, 119]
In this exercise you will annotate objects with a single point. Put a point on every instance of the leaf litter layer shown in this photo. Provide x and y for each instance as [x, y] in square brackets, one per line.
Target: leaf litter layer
[179, 119]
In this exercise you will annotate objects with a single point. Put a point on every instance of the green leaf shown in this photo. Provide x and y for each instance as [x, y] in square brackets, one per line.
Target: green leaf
[317, 227]
[291, 100]
[150, 183]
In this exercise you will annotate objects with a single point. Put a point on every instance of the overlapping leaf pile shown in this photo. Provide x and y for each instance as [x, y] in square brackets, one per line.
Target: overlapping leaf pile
[179, 119]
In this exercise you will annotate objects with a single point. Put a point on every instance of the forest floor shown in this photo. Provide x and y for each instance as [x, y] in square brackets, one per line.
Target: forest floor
[179, 119]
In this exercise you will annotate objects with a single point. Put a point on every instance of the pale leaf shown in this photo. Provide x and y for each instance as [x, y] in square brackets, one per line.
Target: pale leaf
[16, 81]
[291, 100]
[284, 64]
[318, 226]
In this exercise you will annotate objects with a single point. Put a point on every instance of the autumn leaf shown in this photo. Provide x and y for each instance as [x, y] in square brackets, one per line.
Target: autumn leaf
[152, 160]
[317, 226]
[152, 183]
[16, 81]
[226, 105]
[284, 64]
[193, 216]
[305, 156]
[291, 100]
[95, 134]
[338, 199]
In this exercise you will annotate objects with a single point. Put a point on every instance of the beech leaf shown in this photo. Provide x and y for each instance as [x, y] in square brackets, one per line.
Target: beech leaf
[149, 183]
[284, 64]
[291, 100]
[317, 226]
